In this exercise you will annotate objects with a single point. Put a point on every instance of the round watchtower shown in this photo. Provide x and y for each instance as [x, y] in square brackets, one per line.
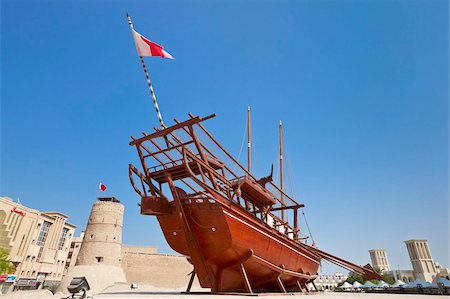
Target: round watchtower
[102, 243]
[100, 256]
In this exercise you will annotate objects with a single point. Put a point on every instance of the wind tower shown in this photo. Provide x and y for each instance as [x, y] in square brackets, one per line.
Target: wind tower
[422, 262]
[379, 259]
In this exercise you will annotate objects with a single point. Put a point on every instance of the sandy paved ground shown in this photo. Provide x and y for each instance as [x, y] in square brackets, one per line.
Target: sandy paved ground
[154, 295]
[165, 294]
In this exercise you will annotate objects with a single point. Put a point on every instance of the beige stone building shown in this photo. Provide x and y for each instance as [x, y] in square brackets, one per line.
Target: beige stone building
[143, 265]
[38, 244]
[424, 267]
[379, 259]
[404, 275]
[73, 251]
[422, 262]
[329, 282]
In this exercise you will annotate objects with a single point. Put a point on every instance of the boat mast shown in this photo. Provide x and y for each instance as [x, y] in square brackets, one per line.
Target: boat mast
[149, 83]
[249, 160]
[281, 168]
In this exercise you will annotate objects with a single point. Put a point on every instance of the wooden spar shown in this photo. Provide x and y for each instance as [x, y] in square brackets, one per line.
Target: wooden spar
[222, 148]
[233, 159]
[165, 131]
[281, 169]
[249, 159]
[367, 273]
[207, 150]
[168, 156]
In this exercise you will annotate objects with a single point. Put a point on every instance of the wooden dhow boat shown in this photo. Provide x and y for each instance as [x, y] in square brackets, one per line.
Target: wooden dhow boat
[232, 226]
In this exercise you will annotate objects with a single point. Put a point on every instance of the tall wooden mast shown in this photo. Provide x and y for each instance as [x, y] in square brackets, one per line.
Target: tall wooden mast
[281, 168]
[249, 142]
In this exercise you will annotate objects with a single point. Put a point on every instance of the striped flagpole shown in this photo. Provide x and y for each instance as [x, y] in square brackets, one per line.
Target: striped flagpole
[150, 86]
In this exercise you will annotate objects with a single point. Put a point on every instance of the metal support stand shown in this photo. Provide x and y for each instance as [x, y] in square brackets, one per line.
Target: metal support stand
[191, 280]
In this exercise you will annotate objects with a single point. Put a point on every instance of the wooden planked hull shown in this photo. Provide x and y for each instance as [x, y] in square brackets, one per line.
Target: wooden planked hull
[228, 238]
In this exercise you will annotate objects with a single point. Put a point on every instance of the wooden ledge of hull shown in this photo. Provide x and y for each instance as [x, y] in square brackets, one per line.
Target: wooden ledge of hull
[155, 205]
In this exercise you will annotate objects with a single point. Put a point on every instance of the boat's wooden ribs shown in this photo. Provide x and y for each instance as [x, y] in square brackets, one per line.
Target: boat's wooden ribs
[166, 131]
[207, 172]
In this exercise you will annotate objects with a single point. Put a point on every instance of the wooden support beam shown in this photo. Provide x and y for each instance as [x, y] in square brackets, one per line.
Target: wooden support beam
[248, 287]
[164, 132]
[287, 207]
[299, 286]
[280, 285]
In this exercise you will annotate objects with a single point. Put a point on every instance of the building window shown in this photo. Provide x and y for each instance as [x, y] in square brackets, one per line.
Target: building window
[40, 253]
[62, 239]
[43, 234]
[99, 259]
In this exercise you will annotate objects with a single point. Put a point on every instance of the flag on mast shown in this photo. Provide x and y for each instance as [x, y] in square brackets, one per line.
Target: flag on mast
[101, 187]
[146, 47]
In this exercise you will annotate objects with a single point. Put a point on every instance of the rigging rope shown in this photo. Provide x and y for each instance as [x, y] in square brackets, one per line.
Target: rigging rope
[292, 187]
[307, 225]
[243, 140]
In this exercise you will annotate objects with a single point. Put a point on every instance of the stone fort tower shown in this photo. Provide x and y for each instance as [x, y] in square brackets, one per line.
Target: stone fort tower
[100, 256]
[102, 243]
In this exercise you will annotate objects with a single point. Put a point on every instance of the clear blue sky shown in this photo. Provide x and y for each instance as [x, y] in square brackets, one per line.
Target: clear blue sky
[361, 86]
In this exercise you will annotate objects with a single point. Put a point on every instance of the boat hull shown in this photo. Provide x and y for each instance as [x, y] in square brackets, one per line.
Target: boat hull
[231, 246]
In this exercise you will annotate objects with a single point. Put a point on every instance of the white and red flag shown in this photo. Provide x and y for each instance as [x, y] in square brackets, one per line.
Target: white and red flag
[146, 47]
[101, 187]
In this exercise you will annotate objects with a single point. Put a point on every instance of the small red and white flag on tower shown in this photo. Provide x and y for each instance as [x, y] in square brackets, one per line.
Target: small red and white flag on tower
[101, 187]
[146, 47]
